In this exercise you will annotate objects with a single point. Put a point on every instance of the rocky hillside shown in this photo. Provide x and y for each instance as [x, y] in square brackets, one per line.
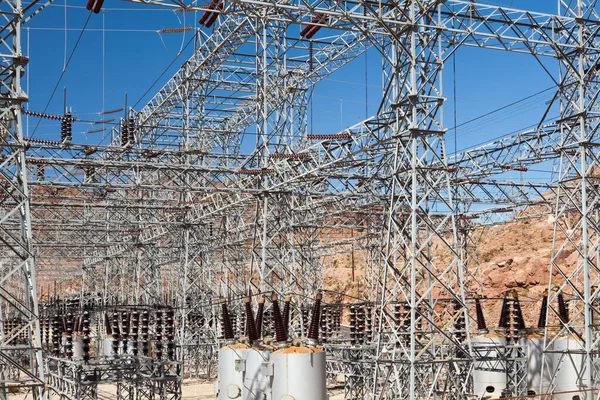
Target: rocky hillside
[515, 256]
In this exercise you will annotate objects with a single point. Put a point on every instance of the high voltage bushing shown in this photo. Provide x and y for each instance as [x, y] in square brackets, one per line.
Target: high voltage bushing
[313, 330]
[286, 314]
[145, 331]
[280, 333]
[170, 334]
[159, 331]
[518, 314]
[227, 328]
[323, 324]
[135, 326]
[543, 310]
[481, 325]
[460, 331]
[125, 319]
[259, 316]
[563, 309]
[85, 329]
[504, 314]
[251, 330]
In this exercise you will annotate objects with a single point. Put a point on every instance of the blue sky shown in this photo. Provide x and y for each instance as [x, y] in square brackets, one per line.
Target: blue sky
[121, 51]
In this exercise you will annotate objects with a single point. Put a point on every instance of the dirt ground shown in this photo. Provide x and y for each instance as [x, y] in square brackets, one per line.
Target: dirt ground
[191, 390]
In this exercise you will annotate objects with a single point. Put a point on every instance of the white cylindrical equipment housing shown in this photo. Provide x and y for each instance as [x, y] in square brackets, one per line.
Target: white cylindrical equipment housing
[107, 350]
[232, 365]
[77, 347]
[259, 371]
[299, 373]
[533, 345]
[489, 371]
[569, 365]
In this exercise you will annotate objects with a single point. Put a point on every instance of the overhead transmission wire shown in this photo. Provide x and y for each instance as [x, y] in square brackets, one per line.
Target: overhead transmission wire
[164, 71]
[497, 110]
[62, 74]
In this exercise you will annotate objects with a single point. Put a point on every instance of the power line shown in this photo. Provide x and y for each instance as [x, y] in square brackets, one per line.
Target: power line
[64, 69]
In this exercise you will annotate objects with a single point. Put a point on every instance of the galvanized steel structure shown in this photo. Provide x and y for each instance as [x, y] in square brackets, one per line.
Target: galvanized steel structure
[175, 212]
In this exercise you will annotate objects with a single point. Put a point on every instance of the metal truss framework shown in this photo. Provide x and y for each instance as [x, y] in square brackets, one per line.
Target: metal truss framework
[183, 214]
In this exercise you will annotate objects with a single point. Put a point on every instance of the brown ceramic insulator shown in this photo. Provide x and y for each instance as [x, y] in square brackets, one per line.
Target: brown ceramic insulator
[543, 311]
[353, 325]
[518, 314]
[158, 335]
[504, 316]
[107, 324]
[563, 311]
[259, 316]
[227, 327]
[286, 314]
[170, 333]
[280, 334]
[250, 322]
[135, 326]
[85, 329]
[145, 329]
[481, 325]
[313, 331]
[459, 321]
[56, 335]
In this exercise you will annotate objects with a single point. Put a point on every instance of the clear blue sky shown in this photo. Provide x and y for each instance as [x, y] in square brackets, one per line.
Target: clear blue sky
[121, 51]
